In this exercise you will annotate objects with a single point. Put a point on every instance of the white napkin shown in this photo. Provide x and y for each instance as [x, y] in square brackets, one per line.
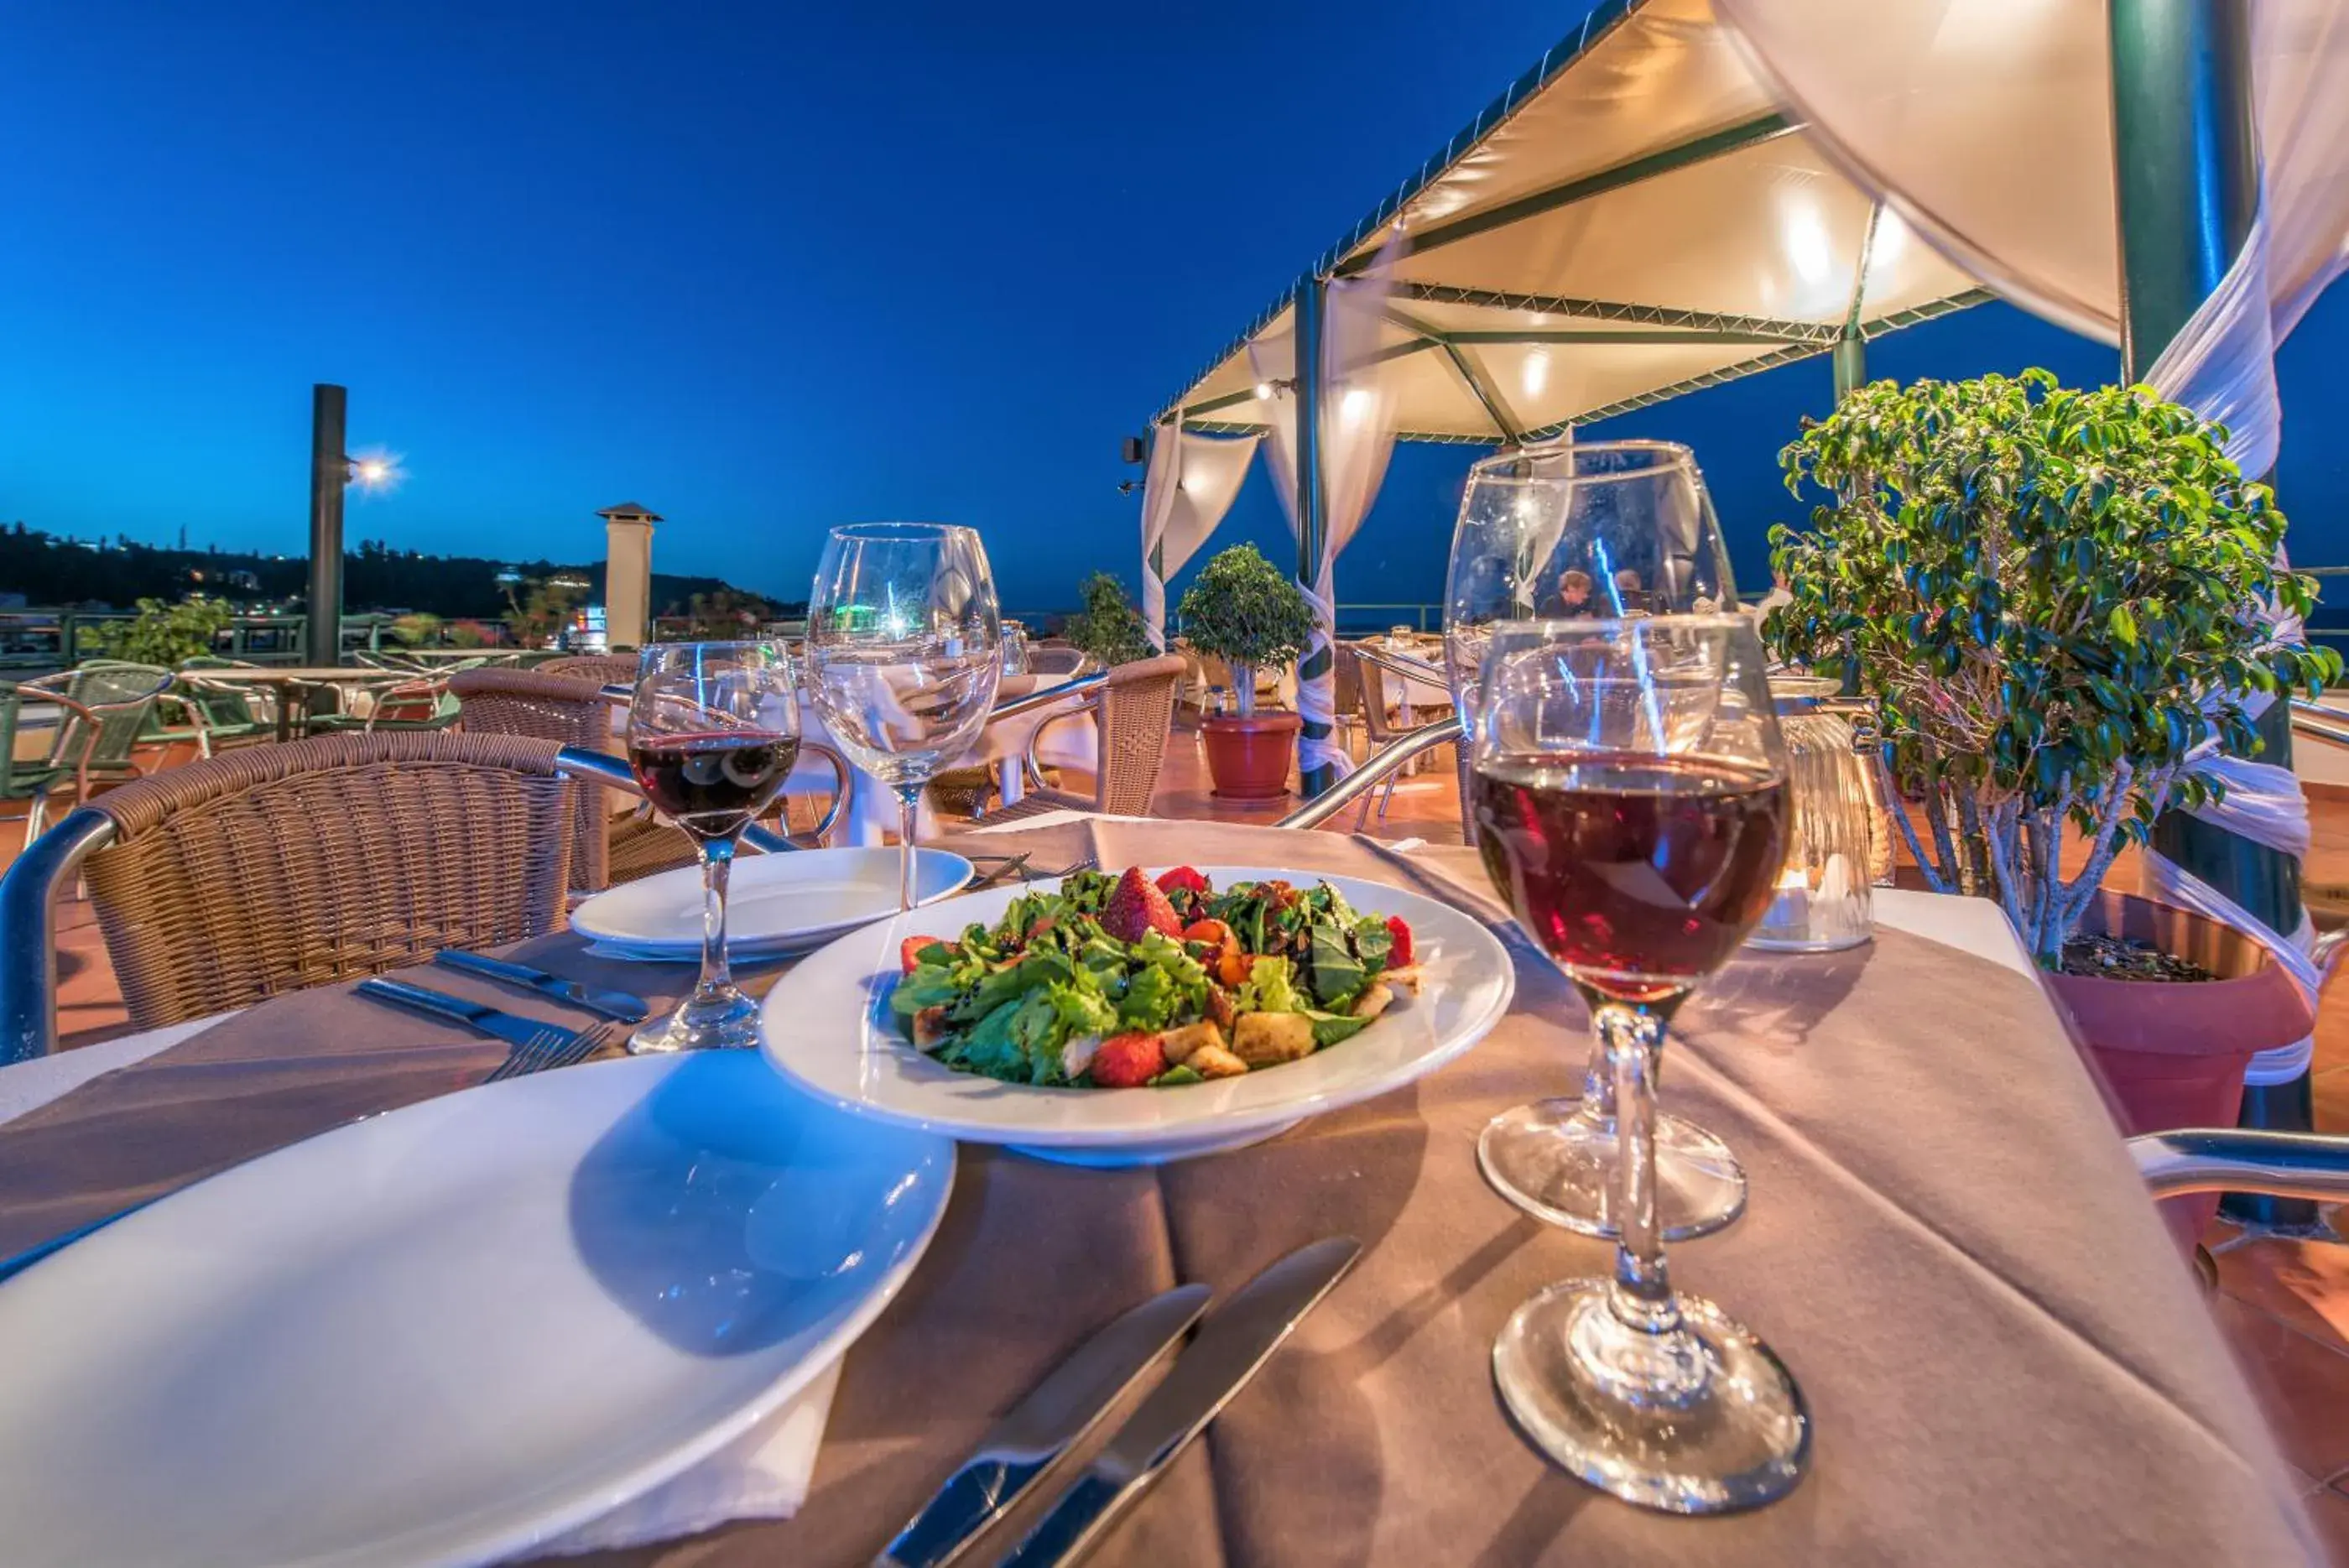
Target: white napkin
[762, 1474]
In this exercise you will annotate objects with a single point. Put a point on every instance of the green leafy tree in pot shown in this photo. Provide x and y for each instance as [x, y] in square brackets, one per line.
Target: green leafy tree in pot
[168, 634]
[1245, 611]
[1109, 628]
[2056, 597]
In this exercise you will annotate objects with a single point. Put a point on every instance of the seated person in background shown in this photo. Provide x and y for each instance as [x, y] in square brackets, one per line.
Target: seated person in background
[1630, 598]
[1574, 595]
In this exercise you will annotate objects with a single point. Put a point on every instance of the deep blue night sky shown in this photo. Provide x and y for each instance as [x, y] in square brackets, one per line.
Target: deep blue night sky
[765, 268]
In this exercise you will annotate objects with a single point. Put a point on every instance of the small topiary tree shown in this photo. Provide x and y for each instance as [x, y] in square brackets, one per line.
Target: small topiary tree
[168, 634]
[1245, 611]
[1109, 628]
[2056, 597]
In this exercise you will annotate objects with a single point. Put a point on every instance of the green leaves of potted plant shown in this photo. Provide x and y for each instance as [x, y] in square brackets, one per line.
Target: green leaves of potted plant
[168, 634]
[1109, 628]
[1243, 609]
[2056, 597]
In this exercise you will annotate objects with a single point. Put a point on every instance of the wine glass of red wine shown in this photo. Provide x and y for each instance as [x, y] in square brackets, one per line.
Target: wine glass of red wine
[713, 732]
[905, 651]
[1630, 801]
[1609, 529]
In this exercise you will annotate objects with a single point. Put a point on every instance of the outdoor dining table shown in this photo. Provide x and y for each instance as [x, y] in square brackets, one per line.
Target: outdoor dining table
[285, 680]
[2005, 1357]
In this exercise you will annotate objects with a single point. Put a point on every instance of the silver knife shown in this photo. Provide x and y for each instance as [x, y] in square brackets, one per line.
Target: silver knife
[1236, 1341]
[515, 1030]
[1057, 1414]
[616, 1004]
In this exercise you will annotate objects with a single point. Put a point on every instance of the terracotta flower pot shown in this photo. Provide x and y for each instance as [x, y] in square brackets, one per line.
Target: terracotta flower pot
[1249, 757]
[2172, 1054]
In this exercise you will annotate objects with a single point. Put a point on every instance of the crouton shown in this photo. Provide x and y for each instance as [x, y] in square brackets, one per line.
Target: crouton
[1403, 980]
[1263, 1039]
[1374, 999]
[930, 1027]
[1214, 1062]
[1078, 1054]
[1180, 1043]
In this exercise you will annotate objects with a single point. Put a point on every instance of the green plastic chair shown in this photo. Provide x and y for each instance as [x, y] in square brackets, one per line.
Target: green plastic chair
[422, 704]
[220, 716]
[26, 779]
[106, 707]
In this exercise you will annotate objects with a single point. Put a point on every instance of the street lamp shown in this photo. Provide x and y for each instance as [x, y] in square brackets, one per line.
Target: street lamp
[332, 470]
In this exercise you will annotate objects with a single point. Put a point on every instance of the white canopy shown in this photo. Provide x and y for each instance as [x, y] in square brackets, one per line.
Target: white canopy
[1633, 219]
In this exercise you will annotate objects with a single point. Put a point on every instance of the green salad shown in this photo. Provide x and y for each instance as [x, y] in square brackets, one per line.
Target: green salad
[1122, 982]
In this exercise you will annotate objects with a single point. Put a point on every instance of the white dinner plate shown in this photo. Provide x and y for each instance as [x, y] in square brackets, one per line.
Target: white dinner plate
[828, 1028]
[448, 1333]
[774, 903]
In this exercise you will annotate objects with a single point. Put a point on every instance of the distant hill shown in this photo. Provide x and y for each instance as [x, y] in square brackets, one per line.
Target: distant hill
[115, 574]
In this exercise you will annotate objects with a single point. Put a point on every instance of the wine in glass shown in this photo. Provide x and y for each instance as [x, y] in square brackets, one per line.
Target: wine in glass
[904, 652]
[1601, 529]
[712, 735]
[1630, 801]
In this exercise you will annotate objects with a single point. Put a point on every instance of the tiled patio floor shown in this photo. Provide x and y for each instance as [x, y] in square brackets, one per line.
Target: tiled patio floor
[2281, 1303]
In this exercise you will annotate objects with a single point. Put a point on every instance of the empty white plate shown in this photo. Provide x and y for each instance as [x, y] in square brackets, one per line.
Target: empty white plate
[774, 903]
[827, 1027]
[446, 1334]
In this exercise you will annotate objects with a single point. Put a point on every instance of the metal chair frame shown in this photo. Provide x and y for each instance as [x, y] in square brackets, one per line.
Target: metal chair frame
[1372, 662]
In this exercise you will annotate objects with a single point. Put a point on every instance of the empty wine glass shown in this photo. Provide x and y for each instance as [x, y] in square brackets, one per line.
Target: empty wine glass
[1607, 529]
[904, 652]
[712, 735]
[1630, 801]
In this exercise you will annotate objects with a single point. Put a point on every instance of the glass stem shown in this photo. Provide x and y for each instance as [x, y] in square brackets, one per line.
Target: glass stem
[1641, 1294]
[909, 806]
[717, 861]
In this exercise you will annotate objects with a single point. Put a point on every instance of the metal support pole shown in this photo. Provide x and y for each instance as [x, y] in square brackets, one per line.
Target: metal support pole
[329, 472]
[2186, 178]
[1318, 662]
[1850, 364]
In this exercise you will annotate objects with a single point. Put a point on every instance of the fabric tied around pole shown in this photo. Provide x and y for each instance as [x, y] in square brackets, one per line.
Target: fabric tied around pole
[1188, 487]
[1357, 431]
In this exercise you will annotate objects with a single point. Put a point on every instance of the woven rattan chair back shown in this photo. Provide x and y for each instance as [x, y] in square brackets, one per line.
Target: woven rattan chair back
[567, 708]
[1137, 714]
[604, 669]
[277, 868]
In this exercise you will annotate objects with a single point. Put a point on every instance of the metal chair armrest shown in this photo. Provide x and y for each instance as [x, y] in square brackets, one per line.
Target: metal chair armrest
[2232, 1159]
[28, 958]
[1373, 771]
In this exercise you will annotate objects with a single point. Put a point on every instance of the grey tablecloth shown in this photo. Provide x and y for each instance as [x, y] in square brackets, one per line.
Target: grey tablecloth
[2005, 1357]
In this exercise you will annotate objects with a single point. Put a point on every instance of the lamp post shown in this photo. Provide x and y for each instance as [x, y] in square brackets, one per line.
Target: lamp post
[331, 470]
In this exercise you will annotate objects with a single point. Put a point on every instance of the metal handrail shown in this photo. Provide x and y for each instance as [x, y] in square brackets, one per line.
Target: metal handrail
[2313, 1166]
[2318, 728]
[1374, 772]
[29, 967]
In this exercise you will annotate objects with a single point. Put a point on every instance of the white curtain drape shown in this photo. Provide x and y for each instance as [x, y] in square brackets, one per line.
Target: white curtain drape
[1357, 435]
[1987, 125]
[1189, 485]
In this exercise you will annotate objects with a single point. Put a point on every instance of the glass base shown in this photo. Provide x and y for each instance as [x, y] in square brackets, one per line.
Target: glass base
[1704, 1420]
[1555, 1161]
[723, 1020]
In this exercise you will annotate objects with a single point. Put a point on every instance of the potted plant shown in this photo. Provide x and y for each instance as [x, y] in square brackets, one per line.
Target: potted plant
[2057, 599]
[1109, 628]
[167, 635]
[1243, 609]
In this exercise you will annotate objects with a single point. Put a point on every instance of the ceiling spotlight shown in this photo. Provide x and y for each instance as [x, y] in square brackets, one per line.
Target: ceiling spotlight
[1264, 391]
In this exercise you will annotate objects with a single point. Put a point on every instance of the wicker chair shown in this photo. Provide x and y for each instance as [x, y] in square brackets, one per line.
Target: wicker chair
[574, 711]
[277, 868]
[604, 669]
[1134, 711]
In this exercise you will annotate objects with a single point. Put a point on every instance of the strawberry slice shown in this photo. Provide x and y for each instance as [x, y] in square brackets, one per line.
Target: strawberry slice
[1402, 955]
[1136, 906]
[1128, 1061]
[1184, 878]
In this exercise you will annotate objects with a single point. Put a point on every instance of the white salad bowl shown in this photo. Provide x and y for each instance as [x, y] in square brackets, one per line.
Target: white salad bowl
[829, 1029]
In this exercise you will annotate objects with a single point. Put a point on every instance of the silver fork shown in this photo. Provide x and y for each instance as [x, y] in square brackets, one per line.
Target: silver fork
[552, 1047]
